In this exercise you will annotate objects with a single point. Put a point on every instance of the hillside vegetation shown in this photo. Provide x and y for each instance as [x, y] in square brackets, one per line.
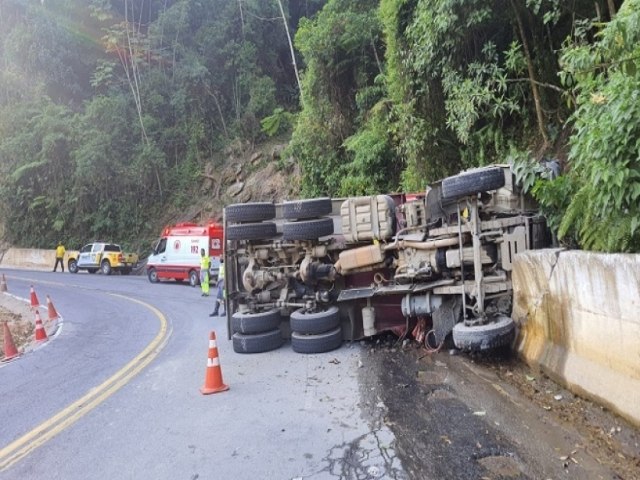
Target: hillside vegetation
[117, 116]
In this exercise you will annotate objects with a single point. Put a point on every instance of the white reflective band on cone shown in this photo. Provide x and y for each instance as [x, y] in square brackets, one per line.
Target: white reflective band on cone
[212, 344]
[213, 362]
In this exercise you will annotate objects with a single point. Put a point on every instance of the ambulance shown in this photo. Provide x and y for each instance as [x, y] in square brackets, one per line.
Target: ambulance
[176, 255]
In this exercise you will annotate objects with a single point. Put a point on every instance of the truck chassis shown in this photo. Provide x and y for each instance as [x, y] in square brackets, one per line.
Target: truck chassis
[428, 265]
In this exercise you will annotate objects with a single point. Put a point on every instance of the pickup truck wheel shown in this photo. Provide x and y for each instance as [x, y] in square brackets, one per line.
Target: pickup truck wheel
[479, 338]
[307, 230]
[251, 231]
[194, 278]
[249, 212]
[473, 182]
[153, 275]
[73, 266]
[258, 343]
[105, 267]
[251, 323]
[323, 342]
[304, 209]
[312, 323]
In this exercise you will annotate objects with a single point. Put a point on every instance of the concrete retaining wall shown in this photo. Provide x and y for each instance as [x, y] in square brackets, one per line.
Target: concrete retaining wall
[31, 258]
[579, 322]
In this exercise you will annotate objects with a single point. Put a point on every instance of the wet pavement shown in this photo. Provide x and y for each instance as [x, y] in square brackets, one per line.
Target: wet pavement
[479, 418]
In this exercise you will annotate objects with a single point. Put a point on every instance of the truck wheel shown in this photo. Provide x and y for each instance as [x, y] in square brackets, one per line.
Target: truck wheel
[304, 209]
[478, 338]
[323, 342]
[251, 323]
[258, 343]
[249, 212]
[251, 231]
[153, 275]
[194, 278]
[105, 267]
[73, 266]
[472, 182]
[306, 323]
[307, 230]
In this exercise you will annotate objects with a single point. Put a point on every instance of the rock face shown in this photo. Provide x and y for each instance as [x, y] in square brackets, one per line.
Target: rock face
[245, 175]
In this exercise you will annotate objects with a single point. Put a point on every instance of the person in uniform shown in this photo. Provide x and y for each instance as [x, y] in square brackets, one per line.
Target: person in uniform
[205, 264]
[220, 292]
[59, 257]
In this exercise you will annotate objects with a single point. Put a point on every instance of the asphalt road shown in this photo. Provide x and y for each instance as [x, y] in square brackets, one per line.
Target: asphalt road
[115, 395]
[285, 416]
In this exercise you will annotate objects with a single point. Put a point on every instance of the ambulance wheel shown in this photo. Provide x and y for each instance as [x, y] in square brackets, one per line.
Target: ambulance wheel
[250, 212]
[194, 278]
[73, 266]
[323, 342]
[307, 230]
[257, 343]
[304, 209]
[251, 323]
[251, 231]
[153, 275]
[306, 323]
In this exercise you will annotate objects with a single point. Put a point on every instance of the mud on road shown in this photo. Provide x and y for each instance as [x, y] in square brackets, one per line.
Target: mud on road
[455, 416]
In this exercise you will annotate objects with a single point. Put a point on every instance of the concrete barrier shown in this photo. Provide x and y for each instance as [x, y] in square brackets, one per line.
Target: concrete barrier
[31, 258]
[578, 318]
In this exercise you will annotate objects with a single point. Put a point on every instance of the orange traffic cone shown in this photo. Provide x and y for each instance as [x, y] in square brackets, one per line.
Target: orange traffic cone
[53, 314]
[3, 284]
[213, 378]
[10, 350]
[41, 333]
[34, 298]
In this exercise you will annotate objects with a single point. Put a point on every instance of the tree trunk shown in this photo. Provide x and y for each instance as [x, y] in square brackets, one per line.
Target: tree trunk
[532, 76]
[612, 9]
[293, 56]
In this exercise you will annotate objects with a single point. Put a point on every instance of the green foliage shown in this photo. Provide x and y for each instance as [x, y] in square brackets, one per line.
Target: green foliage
[332, 139]
[276, 123]
[605, 167]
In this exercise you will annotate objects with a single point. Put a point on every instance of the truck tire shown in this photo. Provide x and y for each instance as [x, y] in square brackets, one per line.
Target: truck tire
[307, 230]
[105, 266]
[73, 266]
[249, 212]
[153, 275]
[251, 231]
[312, 323]
[479, 338]
[472, 182]
[251, 323]
[194, 278]
[323, 342]
[258, 343]
[304, 209]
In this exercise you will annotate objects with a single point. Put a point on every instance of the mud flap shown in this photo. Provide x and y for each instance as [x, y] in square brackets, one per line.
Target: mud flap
[445, 318]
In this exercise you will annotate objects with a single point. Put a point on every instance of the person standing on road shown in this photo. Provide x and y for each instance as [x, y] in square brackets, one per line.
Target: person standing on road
[205, 264]
[220, 292]
[59, 257]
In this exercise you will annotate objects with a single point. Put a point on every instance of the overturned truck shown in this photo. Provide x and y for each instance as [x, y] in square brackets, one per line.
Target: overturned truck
[433, 266]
